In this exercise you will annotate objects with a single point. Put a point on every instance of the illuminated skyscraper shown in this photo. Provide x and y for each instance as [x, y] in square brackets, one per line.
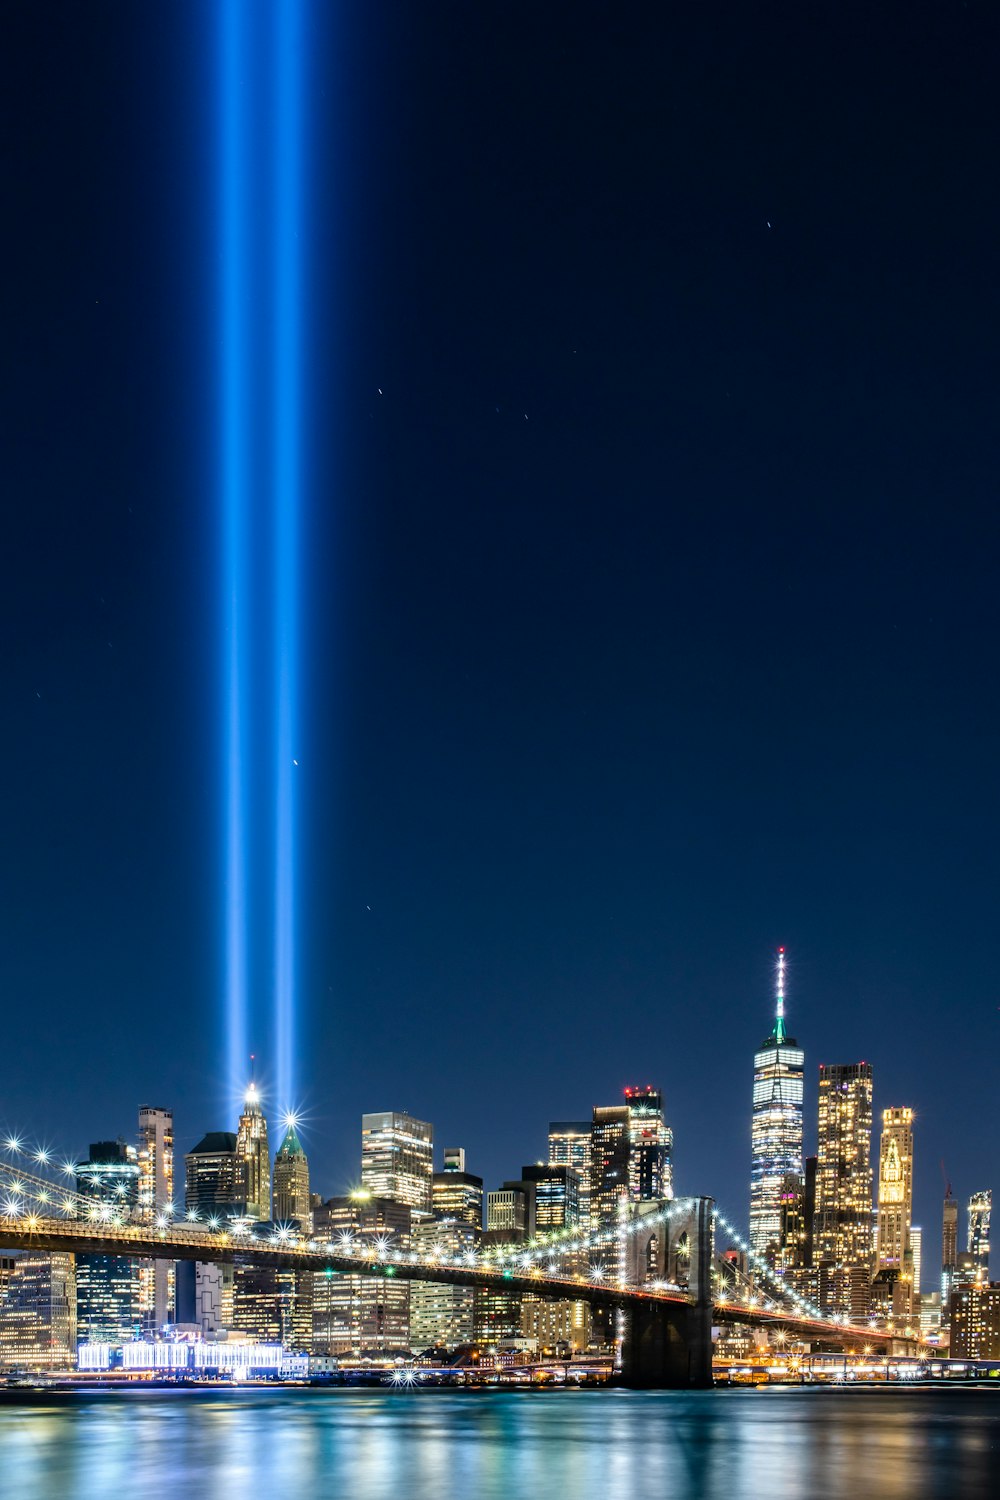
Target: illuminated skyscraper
[569, 1146]
[776, 1128]
[456, 1193]
[442, 1316]
[894, 1289]
[650, 1146]
[253, 1159]
[156, 1199]
[980, 1208]
[210, 1177]
[397, 1158]
[949, 1252]
[291, 1181]
[842, 1230]
[38, 1313]
[355, 1313]
[107, 1286]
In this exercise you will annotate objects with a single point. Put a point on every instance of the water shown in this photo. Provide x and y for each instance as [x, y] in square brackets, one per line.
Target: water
[433, 1445]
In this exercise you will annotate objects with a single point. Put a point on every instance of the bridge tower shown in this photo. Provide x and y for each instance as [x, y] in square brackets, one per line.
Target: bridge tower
[670, 1347]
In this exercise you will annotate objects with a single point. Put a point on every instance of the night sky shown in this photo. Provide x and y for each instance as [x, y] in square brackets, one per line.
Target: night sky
[650, 613]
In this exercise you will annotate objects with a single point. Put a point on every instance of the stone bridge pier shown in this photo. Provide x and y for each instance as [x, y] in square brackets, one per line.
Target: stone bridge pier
[669, 1347]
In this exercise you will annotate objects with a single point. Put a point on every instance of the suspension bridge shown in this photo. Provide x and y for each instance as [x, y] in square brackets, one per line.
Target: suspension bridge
[656, 1267]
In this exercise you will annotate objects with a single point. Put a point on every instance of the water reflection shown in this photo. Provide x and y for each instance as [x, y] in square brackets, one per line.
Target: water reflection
[370, 1445]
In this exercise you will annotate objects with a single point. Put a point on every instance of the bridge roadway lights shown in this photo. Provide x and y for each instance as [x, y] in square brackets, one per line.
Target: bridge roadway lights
[670, 1347]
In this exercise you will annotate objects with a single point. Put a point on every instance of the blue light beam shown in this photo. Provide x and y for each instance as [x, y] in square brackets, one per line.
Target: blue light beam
[286, 400]
[234, 399]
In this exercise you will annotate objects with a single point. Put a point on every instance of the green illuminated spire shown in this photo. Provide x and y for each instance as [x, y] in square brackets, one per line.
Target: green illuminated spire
[779, 1014]
[291, 1145]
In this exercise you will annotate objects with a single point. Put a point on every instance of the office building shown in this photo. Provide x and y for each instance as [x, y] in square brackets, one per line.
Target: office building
[456, 1193]
[975, 1322]
[213, 1192]
[917, 1251]
[651, 1146]
[397, 1158]
[38, 1313]
[842, 1229]
[107, 1286]
[358, 1315]
[155, 1202]
[442, 1317]
[507, 1211]
[980, 1208]
[253, 1159]
[210, 1178]
[893, 1289]
[555, 1195]
[949, 1252]
[776, 1125]
[274, 1305]
[569, 1146]
[291, 1182]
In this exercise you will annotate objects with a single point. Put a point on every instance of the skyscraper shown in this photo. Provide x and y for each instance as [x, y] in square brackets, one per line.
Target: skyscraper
[651, 1144]
[842, 1230]
[38, 1313]
[156, 1198]
[291, 1181]
[569, 1146]
[355, 1313]
[107, 1286]
[456, 1193]
[894, 1265]
[776, 1127]
[210, 1188]
[253, 1159]
[980, 1208]
[397, 1158]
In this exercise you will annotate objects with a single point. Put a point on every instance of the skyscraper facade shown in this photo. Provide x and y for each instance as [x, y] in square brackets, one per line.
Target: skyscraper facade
[456, 1193]
[253, 1159]
[397, 1158]
[569, 1146]
[38, 1313]
[651, 1145]
[210, 1189]
[353, 1314]
[155, 1195]
[894, 1289]
[980, 1209]
[107, 1286]
[949, 1252]
[842, 1229]
[291, 1182]
[776, 1125]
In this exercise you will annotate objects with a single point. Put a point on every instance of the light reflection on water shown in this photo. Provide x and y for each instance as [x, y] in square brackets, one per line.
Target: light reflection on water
[431, 1445]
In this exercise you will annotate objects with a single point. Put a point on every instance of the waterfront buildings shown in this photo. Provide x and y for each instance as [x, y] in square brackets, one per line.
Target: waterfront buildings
[361, 1314]
[975, 1322]
[776, 1126]
[442, 1316]
[155, 1197]
[842, 1229]
[253, 1159]
[38, 1313]
[291, 1182]
[397, 1158]
[107, 1286]
[893, 1292]
[273, 1305]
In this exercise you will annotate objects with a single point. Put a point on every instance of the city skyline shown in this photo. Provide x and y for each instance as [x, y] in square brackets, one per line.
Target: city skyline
[647, 586]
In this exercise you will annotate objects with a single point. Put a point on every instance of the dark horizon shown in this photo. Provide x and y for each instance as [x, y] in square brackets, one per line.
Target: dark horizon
[649, 615]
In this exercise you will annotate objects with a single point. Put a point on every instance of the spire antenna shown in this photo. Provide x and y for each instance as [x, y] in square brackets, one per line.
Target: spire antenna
[779, 1009]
